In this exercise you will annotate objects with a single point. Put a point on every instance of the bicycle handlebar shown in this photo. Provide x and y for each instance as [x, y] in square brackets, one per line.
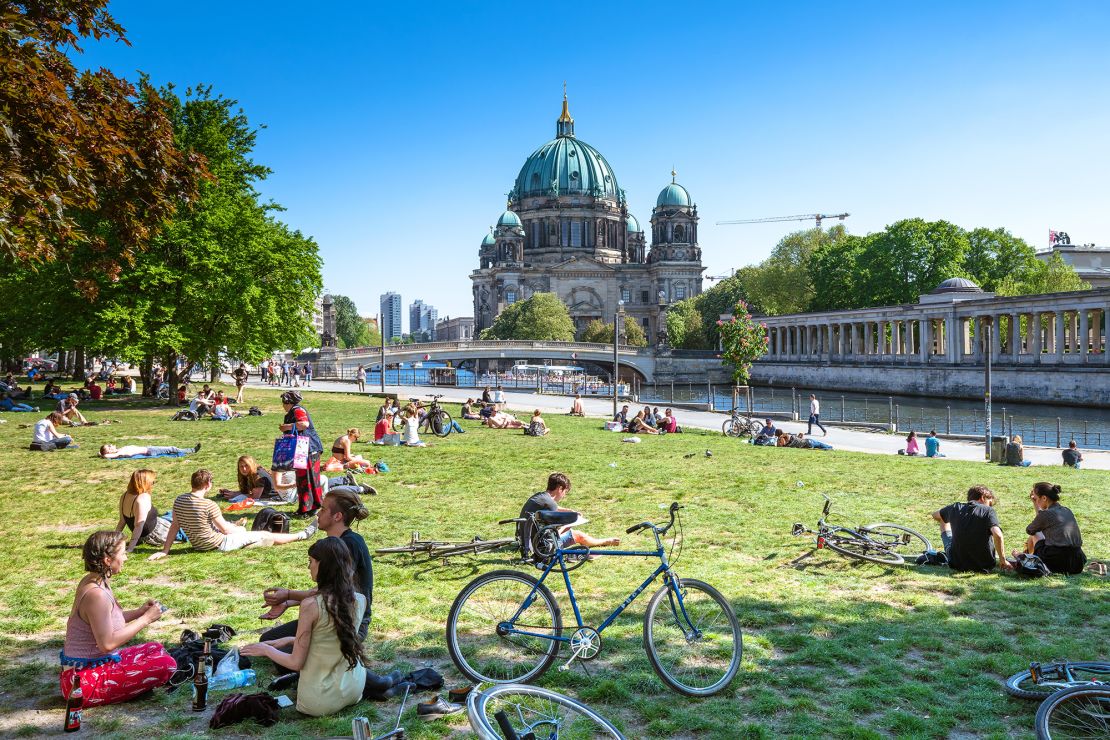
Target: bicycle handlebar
[675, 507]
[517, 520]
[638, 527]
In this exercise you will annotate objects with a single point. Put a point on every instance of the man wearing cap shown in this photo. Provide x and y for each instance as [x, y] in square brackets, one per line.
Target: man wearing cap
[67, 407]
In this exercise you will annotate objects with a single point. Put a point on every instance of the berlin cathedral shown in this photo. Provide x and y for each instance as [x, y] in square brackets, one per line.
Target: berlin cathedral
[567, 231]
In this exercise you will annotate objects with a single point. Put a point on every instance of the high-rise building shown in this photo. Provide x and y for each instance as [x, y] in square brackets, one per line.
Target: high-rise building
[416, 308]
[391, 315]
[429, 317]
[422, 321]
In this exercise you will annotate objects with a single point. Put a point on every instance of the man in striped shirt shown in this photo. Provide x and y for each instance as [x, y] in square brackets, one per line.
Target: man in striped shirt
[206, 528]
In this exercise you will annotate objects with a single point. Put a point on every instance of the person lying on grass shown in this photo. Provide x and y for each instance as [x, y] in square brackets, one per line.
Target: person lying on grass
[111, 452]
[206, 528]
[326, 649]
[503, 420]
[7, 404]
[98, 629]
[138, 514]
[558, 487]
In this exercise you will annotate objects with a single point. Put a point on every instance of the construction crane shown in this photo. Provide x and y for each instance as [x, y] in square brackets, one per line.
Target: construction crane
[818, 217]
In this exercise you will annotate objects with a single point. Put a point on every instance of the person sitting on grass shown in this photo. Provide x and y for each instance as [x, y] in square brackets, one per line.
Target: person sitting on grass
[67, 407]
[670, 423]
[503, 420]
[1072, 456]
[95, 391]
[558, 487]
[912, 450]
[7, 404]
[1015, 453]
[387, 410]
[410, 415]
[647, 416]
[47, 437]
[383, 432]
[111, 452]
[341, 457]
[536, 427]
[326, 650]
[221, 409]
[576, 406]
[468, 411]
[1054, 534]
[99, 628]
[203, 403]
[932, 445]
[971, 533]
[254, 480]
[206, 528]
[138, 514]
[639, 425]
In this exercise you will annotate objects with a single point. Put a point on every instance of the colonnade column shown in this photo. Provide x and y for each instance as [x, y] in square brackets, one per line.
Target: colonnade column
[1015, 336]
[924, 343]
[1036, 329]
[1084, 333]
[1060, 341]
[996, 337]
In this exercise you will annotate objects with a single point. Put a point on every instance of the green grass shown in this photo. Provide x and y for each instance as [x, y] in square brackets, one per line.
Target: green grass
[832, 648]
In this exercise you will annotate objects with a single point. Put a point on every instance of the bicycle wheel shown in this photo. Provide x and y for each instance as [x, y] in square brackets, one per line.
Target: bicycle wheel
[902, 540]
[695, 647]
[441, 423]
[1078, 712]
[398, 424]
[755, 426]
[733, 427]
[475, 628]
[544, 713]
[1053, 678]
[855, 545]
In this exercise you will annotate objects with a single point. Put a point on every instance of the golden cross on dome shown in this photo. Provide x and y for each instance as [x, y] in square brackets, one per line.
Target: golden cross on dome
[673, 173]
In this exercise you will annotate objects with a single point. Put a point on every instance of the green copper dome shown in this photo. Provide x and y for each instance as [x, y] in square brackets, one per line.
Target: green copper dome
[508, 218]
[673, 195]
[489, 241]
[571, 166]
[632, 224]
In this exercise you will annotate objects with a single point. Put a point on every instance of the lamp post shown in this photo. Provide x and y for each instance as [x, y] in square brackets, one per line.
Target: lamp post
[617, 319]
[381, 331]
[987, 328]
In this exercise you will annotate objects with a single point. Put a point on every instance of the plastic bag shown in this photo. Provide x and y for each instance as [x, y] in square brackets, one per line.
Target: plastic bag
[229, 663]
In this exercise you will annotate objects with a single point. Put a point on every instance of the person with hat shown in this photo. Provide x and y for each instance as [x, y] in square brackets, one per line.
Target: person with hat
[310, 496]
[67, 407]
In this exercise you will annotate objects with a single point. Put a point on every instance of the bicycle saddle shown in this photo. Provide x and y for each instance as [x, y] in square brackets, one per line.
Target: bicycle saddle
[556, 517]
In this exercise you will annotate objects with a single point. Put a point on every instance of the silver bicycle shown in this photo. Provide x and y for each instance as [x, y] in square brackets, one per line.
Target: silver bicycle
[516, 711]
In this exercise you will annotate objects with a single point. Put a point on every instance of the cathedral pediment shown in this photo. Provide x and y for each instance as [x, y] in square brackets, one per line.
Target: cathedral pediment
[580, 264]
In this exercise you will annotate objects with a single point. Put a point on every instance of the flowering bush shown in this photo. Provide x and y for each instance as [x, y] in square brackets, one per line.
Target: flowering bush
[743, 341]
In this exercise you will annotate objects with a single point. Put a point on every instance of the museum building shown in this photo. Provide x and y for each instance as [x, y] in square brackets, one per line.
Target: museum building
[567, 230]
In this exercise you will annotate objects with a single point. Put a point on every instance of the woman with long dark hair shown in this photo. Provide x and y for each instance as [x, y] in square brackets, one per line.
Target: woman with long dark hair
[1054, 534]
[99, 628]
[309, 493]
[326, 649]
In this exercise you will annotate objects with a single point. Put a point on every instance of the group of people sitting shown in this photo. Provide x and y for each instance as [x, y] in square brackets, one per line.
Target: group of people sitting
[913, 448]
[973, 539]
[646, 421]
[215, 403]
[111, 387]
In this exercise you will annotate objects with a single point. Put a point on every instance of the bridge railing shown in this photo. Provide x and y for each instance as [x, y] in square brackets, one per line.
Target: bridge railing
[479, 344]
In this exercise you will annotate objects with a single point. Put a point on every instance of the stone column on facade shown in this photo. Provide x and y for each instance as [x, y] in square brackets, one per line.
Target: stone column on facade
[828, 332]
[1084, 334]
[911, 337]
[924, 341]
[896, 338]
[1059, 342]
[867, 335]
[1015, 336]
[1073, 329]
[996, 337]
[1036, 329]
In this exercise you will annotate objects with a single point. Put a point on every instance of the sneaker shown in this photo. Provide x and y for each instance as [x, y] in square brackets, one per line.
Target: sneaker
[349, 479]
[283, 682]
[196, 448]
[438, 708]
[368, 490]
[310, 528]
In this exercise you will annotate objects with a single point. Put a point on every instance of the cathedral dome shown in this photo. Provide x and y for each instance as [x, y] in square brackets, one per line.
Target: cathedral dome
[489, 241]
[508, 218]
[957, 285]
[674, 195]
[632, 224]
[573, 166]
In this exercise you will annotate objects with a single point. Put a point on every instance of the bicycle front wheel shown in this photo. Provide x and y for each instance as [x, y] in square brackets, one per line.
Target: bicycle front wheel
[899, 539]
[733, 428]
[847, 542]
[531, 709]
[478, 636]
[1078, 712]
[441, 423]
[1053, 678]
[693, 643]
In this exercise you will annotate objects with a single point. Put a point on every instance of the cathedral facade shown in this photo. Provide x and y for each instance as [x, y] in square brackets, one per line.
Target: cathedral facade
[567, 231]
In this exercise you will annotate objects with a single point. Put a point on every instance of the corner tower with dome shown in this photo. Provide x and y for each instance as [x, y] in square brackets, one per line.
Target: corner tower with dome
[567, 230]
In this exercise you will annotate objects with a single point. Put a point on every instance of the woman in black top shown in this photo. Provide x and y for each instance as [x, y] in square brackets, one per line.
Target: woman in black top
[254, 480]
[1054, 534]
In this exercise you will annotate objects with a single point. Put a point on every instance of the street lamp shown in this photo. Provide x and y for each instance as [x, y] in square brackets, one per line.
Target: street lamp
[987, 344]
[617, 319]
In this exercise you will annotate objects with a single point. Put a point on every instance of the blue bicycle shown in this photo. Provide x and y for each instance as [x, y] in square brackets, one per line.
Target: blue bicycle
[506, 627]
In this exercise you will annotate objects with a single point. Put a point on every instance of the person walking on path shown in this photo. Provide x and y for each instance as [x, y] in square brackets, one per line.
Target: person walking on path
[241, 376]
[815, 416]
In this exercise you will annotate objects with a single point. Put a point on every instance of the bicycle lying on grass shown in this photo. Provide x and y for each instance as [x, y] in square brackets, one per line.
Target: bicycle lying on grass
[506, 627]
[1075, 698]
[876, 543]
[440, 550]
[521, 712]
[741, 424]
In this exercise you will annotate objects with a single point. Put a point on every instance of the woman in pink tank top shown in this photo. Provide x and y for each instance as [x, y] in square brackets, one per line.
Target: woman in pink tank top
[99, 628]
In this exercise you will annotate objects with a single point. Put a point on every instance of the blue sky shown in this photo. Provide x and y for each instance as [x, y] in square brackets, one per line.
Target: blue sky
[394, 131]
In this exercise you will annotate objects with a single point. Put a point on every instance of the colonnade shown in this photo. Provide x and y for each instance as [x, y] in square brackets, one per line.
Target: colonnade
[954, 333]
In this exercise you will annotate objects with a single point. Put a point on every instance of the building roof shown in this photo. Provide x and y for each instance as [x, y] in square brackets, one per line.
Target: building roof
[508, 218]
[674, 195]
[632, 224]
[956, 285]
[488, 241]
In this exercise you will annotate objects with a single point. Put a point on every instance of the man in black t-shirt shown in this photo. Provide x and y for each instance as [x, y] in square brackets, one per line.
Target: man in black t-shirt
[1072, 456]
[558, 486]
[968, 530]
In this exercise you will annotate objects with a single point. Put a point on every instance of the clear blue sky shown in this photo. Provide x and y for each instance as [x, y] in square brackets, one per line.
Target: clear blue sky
[394, 131]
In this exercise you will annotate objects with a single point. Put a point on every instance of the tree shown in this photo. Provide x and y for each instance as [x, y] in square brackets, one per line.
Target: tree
[350, 329]
[540, 317]
[839, 275]
[743, 341]
[782, 283]
[684, 326]
[911, 257]
[1053, 276]
[85, 159]
[994, 255]
[602, 333]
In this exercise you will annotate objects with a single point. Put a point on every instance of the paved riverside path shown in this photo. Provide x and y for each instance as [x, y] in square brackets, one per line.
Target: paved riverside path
[841, 438]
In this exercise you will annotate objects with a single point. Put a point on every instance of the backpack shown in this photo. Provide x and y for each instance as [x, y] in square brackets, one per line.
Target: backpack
[534, 429]
[270, 519]
[184, 415]
[1031, 566]
[932, 557]
[254, 411]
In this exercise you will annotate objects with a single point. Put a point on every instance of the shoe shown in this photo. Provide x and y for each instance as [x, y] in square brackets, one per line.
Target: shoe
[196, 449]
[304, 514]
[281, 683]
[310, 528]
[458, 696]
[368, 490]
[436, 709]
[349, 479]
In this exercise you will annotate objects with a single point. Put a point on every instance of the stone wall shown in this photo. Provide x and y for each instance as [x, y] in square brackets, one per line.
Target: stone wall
[1067, 385]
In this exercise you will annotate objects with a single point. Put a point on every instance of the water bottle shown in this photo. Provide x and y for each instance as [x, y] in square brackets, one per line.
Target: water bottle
[234, 680]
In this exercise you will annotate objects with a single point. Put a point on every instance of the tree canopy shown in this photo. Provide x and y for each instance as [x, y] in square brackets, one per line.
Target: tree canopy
[540, 317]
[352, 329]
[598, 331]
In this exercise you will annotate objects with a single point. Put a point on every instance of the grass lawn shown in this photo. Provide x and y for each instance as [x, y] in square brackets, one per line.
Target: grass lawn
[832, 648]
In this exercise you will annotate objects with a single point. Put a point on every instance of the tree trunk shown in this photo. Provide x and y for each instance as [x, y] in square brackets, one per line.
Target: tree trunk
[146, 372]
[169, 363]
[214, 369]
[63, 361]
[79, 363]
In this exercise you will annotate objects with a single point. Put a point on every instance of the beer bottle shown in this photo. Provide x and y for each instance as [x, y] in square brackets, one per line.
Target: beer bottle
[73, 705]
[208, 667]
[200, 685]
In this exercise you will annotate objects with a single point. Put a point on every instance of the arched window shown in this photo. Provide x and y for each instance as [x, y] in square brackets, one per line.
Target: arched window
[510, 297]
[679, 233]
[680, 292]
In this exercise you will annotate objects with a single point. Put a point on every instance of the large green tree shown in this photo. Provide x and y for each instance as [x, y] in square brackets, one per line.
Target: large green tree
[994, 255]
[351, 329]
[1053, 276]
[598, 331]
[542, 316]
[782, 283]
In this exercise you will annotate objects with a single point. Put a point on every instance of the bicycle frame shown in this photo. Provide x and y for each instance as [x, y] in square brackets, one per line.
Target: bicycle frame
[558, 559]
